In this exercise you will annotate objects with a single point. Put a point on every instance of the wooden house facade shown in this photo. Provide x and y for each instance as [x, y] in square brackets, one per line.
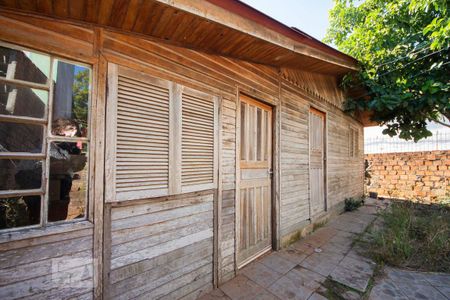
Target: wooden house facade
[150, 149]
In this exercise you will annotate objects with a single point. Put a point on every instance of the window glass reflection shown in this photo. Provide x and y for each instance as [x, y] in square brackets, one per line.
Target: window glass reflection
[24, 65]
[20, 174]
[71, 97]
[20, 211]
[22, 101]
[16, 137]
[68, 181]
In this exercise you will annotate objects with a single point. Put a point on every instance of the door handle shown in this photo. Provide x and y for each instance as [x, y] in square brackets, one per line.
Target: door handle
[269, 171]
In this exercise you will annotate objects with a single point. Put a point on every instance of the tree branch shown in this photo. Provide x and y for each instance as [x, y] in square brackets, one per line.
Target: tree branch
[442, 123]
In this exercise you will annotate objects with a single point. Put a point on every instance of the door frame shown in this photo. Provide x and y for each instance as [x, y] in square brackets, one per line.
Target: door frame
[274, 224]
[325, 160]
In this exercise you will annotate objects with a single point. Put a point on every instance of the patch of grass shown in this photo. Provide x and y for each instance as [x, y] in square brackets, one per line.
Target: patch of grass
[352, 204]
[414, 236]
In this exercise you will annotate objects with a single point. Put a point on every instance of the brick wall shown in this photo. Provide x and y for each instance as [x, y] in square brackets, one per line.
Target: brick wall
[411, 175]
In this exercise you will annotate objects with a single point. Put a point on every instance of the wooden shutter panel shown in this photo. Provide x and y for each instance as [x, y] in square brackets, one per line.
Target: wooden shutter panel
[199, 135]
[138, 144]
[160, 137]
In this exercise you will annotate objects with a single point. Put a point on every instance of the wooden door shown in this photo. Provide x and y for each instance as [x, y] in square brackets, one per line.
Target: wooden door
[317, 158]
[254, 217]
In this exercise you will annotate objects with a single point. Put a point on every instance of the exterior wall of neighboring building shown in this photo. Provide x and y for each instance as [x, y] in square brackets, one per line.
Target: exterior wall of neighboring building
[419, 176]
[177, 245]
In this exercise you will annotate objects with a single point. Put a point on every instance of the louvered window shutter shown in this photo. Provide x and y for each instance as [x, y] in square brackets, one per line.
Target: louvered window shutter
[199, 128]
[160, 139]
[138, 143]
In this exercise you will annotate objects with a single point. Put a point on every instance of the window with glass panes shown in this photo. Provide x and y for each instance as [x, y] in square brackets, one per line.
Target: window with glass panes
[44, 138]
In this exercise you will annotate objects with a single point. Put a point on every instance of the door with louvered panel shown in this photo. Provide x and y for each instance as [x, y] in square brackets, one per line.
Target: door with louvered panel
[254, 217]
[317, 158]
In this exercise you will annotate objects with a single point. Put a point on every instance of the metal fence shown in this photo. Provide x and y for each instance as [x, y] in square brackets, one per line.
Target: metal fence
[386, 144]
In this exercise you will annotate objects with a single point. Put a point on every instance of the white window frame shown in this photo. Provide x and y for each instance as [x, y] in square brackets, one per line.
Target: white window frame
[47, 139]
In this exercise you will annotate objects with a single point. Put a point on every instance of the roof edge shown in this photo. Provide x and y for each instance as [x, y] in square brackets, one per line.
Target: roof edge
[250, 13]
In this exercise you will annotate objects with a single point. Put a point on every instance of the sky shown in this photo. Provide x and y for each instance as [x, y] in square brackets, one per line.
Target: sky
[310, 16]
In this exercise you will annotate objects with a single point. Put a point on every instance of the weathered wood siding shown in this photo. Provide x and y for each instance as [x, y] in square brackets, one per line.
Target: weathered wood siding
[164, 248]
[216, 76]
[56, 262]
[48, 267]
[344, 173]
[228, 169]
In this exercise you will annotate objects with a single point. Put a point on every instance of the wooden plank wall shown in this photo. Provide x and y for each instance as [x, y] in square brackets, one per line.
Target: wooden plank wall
[52, 263]
[48, 267]
[162, 248]
[344, 174]
[214, 75]
[130, 251]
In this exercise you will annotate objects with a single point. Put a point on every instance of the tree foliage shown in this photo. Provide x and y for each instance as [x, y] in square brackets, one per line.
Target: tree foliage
[403, 47]
[81, 97]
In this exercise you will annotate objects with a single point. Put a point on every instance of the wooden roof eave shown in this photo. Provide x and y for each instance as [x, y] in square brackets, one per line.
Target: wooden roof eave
[243, 38]
[222, 16]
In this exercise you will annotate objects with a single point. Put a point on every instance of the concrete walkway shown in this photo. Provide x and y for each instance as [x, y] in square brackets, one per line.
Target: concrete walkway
[325, 260]
[299, 271]
[403, 284]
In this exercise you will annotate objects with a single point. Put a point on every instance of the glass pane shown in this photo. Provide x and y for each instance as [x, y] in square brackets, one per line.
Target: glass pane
[20, 174]
[24, 65]
[20, 211]
[21, 101]
[258, 134]
[251, 133]
[16, 137]
[243, 136]
[71, 100]
[68, 181]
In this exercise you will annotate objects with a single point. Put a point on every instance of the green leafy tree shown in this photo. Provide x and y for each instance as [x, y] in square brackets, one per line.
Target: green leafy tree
[80, 93]
[403, 47]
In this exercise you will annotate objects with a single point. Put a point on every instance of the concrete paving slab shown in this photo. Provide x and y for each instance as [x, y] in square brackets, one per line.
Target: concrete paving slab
[304, 247]
[322, 263]
[336, 248]
[265, 295]
[305, 277]
[355, 254]
[357, 280]
[241, 288]
[216, 294]
[316, 296]
[369, 210]
[351, 295]
[276, 262]
[420, 291]
[445, 290]
[285, 288]
[386, 290]
[438, 279]
[293, 255]
[404, 276]
[348, 226]
[261, 274]
[357, 264]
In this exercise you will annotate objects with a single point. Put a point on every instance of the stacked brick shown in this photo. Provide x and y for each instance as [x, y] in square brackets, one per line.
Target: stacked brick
[421, 176]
